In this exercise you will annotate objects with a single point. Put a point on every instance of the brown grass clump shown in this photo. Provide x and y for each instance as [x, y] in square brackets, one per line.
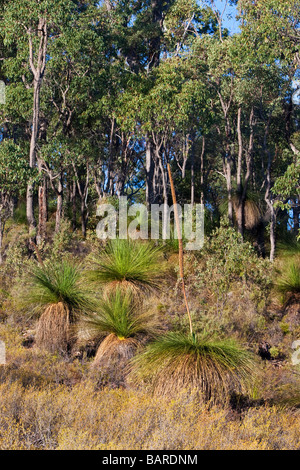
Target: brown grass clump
[123, 285]
[110, 365]
[252, 213]
[209, 380]
[53, 329]
[116, 349]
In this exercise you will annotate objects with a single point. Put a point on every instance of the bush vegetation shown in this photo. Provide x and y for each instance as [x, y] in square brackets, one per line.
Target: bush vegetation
[128, 373]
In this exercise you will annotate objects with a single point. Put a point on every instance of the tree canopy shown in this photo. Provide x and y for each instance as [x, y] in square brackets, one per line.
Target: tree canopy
[100, 96]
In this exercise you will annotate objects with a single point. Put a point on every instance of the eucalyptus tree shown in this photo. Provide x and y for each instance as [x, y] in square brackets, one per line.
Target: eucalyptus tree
[270, 33]
[71, 100]
[14, 173]
[32, 28]
[275, 25]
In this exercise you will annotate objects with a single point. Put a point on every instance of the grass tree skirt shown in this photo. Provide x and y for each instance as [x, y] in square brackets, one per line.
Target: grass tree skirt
[112, 360]
[210, 381]
[53, 329]
[252, 215]
[113, 348]
[177, 362]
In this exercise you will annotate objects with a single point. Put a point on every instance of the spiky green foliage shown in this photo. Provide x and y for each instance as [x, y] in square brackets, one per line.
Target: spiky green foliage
[288, 246]
[57, 282]
[118, 314]
[130, 263]
[177, 361]
[289, 283]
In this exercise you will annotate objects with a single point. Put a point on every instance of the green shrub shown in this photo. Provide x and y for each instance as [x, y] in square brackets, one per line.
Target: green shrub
[128, 263]
[275, 352]
[289, 282]
[226, 260]
[61, 241]
[285, 328]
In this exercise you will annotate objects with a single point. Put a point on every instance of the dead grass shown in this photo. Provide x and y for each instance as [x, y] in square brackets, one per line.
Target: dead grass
[47, 402]
[53, 329]
[251, 212]
[82, 418]
[116, 348]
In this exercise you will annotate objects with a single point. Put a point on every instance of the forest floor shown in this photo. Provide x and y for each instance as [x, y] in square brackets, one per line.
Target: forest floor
[50, 401]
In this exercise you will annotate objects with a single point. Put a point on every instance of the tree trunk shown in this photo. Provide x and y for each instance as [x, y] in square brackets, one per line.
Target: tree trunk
[59, 205]
[272, 234]
[74, 208]
[268, 194]
[83, 193]
[155, 187]
[193, 172]
[43, 211]
[296, 213]
[155, 41]
[1, 239]
[165, 194]
[241, 202]
[149, 174]
[32, 157]
[229, 189]
[270, 204]
[202, 171]
[242, 188]
[84, 217]
[38, 71]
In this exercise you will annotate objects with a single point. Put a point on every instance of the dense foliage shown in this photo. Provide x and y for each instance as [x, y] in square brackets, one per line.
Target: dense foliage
[100, 96]
[144, 344]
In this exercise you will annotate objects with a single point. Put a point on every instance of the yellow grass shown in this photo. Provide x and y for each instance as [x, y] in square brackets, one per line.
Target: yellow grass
[48, 403]
[82, 418]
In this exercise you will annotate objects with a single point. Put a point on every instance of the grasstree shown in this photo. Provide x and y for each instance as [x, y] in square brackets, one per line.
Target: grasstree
[128, 264]
[56, 292]
[127, 271]
[289, 281]
[175, 362]
[121, 329]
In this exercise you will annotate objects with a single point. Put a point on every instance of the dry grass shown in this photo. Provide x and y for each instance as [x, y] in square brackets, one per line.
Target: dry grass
[115, 348]
[50, 403]
[110, 365]
[177, 361]
[53, 331]
[81, 418]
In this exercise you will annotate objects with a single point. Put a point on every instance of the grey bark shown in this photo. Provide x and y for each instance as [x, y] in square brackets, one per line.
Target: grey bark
[38, 71]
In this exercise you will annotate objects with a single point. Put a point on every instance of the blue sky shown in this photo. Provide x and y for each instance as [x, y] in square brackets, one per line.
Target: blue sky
[229, 20]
